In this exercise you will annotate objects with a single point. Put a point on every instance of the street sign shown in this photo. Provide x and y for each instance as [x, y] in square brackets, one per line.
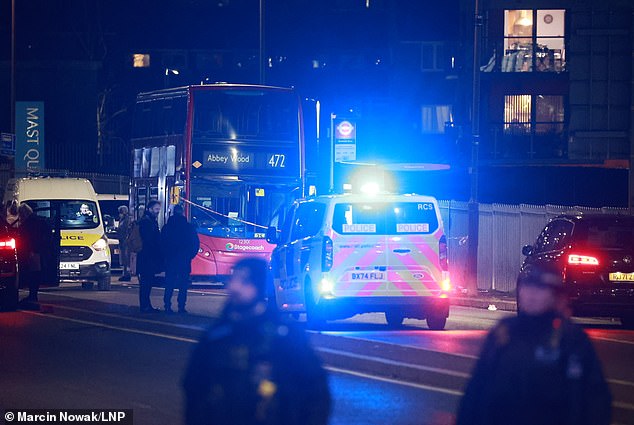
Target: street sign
[345, 140]
[7, 144]
[29, 130]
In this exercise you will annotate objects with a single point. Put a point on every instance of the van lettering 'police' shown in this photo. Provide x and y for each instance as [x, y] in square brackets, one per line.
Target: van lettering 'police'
[359, 228]
[72, 238]
[412, 228]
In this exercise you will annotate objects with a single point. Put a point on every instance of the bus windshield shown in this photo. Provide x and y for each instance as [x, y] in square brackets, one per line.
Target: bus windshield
[246, 114]
[235, 211]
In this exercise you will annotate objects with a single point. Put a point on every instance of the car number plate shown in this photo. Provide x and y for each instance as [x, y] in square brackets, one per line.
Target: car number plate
[621, 277]
[367, 276]
[69, 266]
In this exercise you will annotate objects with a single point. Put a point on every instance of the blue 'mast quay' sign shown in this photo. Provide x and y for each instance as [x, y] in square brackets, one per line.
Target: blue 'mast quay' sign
[29, 136]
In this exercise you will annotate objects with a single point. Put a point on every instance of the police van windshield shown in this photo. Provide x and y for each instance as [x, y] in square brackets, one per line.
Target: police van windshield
[365, 218]
[74, 214]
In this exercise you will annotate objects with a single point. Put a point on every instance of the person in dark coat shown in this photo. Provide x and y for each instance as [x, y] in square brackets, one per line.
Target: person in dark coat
[250, 367]
[150, 258]
[36, 256]
[538, 367]
[179, 241]
[123, 230]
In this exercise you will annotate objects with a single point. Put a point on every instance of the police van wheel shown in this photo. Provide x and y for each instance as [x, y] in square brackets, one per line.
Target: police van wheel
[314, 319]
[436, 322]
[103, 284]
[87, 286]
[394, 318]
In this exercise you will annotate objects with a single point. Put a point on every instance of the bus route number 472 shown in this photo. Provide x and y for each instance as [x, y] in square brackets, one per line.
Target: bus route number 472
[277, 160]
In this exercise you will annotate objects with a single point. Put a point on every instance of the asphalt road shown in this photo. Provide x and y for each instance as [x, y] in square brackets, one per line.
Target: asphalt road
[90, 349]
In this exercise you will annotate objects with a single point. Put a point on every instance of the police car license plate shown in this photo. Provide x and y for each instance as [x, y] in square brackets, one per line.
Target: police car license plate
[621, 277]
[69, 266]
[367, 276]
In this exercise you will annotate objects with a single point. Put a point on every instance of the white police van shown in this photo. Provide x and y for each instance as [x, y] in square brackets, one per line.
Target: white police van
[340, 255]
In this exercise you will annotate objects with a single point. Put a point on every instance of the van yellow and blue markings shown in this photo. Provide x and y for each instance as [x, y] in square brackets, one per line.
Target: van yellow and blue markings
[78, 238]
[362, 268]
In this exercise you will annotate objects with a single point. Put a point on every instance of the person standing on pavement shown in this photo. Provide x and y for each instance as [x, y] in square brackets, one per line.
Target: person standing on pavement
[179, 241]
[150, 258]
[250, 367]
[123, 229]
[538, 367]
[35, 253]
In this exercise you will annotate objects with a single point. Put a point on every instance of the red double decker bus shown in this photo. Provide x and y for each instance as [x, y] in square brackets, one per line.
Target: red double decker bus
[232, 153]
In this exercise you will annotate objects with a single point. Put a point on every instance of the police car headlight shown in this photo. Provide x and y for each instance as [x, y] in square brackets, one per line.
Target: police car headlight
[100, 245]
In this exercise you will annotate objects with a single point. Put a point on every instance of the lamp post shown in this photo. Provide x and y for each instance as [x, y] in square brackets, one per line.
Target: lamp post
[261, 49]
[474, 215]
[12, 72]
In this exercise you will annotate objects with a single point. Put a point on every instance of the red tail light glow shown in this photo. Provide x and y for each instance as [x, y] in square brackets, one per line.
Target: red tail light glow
[7, 244]
[442, 253]
[582, 260]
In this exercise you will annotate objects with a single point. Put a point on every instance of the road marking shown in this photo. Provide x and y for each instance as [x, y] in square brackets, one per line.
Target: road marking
[620, 341]
[394, 381]
[120, 316]
[619, 382]
[118, 328]
[621, 405]
[378, 341]
[395, 363]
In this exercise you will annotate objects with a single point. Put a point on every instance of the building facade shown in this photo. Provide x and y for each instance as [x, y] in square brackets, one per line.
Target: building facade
[556, 88]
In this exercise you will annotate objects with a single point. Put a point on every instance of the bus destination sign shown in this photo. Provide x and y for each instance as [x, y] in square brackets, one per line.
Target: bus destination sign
[245, 160]
[233, 160]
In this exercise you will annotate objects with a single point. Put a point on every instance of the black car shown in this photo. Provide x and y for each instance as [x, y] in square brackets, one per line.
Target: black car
[595, 253]
[8, 270]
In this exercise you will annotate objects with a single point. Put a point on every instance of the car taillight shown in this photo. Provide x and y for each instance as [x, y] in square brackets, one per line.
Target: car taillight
[7, 244]
[326, 255]
[442, 253]
[582, 260]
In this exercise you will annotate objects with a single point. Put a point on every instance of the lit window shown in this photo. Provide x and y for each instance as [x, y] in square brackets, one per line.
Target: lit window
[140, 60]
[534, 40]
[435, 117]
[539, 114]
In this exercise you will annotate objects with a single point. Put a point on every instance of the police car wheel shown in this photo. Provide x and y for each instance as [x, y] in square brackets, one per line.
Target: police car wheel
[394, 318]
[436, 323]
